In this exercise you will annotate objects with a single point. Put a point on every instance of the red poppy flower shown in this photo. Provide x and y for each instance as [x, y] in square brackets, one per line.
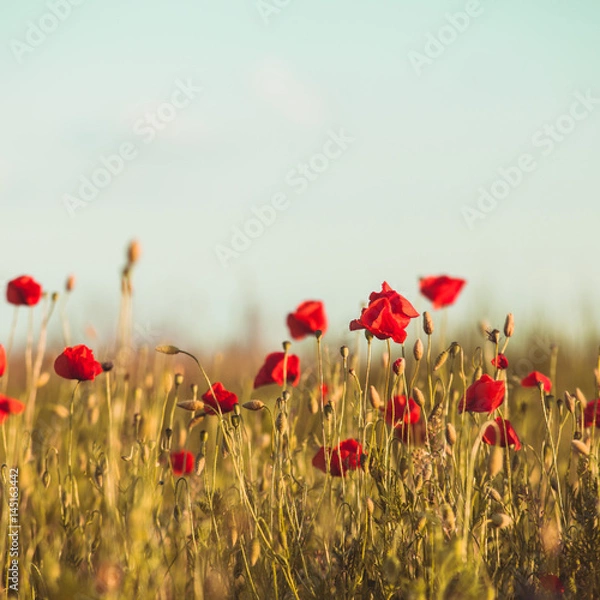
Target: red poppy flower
[9, 406]
[2, 360]
[387, 315]
[226, 400]
[591, 414]
[78, 363]
[500, 362]
[345, 457]
[534, 378]
[552, 583]
[182, 463]
[485, 395]
[442, 290]
[24, 291]
[272, 370]
[507, 436]
[397, 412]
[309, 318]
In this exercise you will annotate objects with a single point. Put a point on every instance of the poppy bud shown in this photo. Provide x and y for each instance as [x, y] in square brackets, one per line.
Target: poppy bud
[454, 349]
[495, 494]
[254, 405]
[501, 520]
[509, 325]
[581, 398]
[418, 397]
[167, 349]
[569, 402]
[133, 252]
[254, 551]
[418, 350]
[440, 360]
[375, 398]
[328, 411]
[70, 284]
[450, 434]
[398, 366]
[286, 395]
[235, 421]
[54, 296]
[313, 406]
[427, 323]
[370, 506]
[581, 447]
[178, 379]
[495, 462]
[191, 405]
[281, 423]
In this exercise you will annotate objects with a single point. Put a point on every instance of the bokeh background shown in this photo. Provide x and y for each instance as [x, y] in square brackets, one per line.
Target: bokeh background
[276, 79]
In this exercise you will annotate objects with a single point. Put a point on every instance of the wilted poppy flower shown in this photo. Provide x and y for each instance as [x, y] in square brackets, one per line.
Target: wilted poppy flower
[78, 363]
[534, 378]
[2, 360]
[397, 411]
[23, 291]
[345, 457]
[308, 318]
[226, 400]
[552, 583]
[500, 362]
[272, 370]
[591, 414]
[485, 395]
[387, 315]
[182, 463]
[442, 290]
[9, 406]
[506, 437]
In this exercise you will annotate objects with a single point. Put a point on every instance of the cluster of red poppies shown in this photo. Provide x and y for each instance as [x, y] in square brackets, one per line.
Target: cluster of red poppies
[386, 317]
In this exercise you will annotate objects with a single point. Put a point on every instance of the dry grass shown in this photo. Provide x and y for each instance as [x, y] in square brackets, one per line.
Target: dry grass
[453, 518]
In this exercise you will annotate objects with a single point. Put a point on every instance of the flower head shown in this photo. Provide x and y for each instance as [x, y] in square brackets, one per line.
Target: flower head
[23, 291]
[78, 363]
[504, 435]
[534, 379]
[273, 367]
[442, 290]
[308, 318]
[225, 400]
[2, 360]
[9, 406]
[182, 463]
[345, 457]
[591, 414]
[387, 315]
[398, 411]
[500, 361]
[485, 395]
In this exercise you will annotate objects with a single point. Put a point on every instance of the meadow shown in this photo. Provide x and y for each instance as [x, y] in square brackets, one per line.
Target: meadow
[399, 466]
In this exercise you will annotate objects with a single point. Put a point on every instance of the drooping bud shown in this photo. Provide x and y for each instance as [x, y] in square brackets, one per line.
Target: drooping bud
[168, 349]
[134, 252]
[254, 405]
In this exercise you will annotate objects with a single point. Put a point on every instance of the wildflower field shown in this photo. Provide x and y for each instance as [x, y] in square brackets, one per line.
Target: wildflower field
[408, 464]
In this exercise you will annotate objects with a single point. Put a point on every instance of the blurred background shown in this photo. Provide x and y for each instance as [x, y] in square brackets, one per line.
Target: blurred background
[365, 136]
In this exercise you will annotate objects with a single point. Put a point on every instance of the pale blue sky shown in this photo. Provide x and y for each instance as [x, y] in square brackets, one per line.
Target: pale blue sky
[388, 208]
